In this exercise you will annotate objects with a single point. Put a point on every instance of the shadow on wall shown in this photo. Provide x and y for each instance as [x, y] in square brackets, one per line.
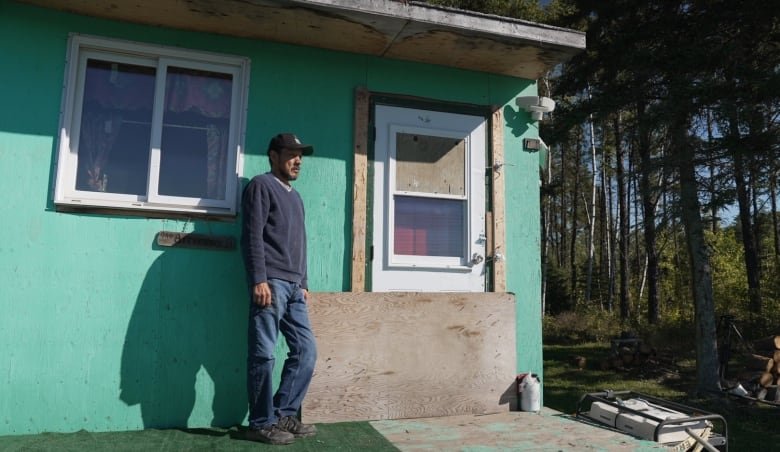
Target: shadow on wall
[190, 315]
[516, 120]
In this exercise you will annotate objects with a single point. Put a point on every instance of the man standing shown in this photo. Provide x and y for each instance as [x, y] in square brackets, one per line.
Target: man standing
[273, 245]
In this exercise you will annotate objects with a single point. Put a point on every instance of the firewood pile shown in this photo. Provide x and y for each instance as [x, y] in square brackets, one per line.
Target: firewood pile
[636, 357]
[760, 374]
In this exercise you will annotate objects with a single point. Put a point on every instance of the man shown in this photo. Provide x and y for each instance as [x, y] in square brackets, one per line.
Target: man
[273, 245]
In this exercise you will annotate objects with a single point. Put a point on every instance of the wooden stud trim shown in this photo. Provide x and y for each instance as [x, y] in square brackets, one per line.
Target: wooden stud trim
[360, 190]
[498, 196]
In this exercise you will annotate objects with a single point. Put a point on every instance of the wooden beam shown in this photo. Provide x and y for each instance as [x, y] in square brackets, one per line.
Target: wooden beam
[499, 197]
[360, 190]
[398, 355]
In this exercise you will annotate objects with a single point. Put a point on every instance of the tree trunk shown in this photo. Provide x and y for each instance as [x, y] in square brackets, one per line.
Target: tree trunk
[699, 252]
[749, 243]
[648, 218]
[575, 202]
[606, 189]
[711, 187]
[591, 210]
[748, 235]
[773, 203]
[546, 215]
[561, 239]
[625, 312]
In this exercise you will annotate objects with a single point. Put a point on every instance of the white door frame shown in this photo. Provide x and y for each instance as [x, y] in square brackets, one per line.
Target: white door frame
[393, 272]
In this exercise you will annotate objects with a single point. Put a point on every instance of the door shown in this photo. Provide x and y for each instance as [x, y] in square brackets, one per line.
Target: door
[428, 201]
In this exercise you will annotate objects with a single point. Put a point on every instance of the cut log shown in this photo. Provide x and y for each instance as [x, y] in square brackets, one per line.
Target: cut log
[766, 379]
[578, 361]
[749, 376]
[768, 343]
[758, 362]
[774, 354]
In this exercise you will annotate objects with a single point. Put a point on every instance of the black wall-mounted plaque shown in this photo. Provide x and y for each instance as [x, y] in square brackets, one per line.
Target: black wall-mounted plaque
[193, 240]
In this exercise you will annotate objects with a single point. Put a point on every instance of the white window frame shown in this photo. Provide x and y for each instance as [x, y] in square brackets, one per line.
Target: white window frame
[160, 57]
[413, 261]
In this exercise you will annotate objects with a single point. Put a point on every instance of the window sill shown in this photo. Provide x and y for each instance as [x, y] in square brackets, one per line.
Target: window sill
[431, 267]
[147, 211]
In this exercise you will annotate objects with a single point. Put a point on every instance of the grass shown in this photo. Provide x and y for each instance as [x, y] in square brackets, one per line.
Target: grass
[751, 427]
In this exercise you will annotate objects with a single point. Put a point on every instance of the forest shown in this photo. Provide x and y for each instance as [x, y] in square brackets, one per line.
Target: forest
[659, 193]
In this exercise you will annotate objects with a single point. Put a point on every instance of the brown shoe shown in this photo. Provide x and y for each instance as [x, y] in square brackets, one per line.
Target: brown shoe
[271, 434]
[291, 424]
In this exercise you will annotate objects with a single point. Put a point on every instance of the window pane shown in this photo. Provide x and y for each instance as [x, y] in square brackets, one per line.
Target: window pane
[196, 123]
[429, 227]
[428, 164]
[113, 154]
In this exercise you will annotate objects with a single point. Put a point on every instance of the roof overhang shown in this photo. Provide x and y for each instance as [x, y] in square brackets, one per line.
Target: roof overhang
[412, 31]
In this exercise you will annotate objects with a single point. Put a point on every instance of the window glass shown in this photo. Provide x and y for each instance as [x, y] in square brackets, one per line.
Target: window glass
[429, 226]
[115, 128]
[150, 127]
[195, 133]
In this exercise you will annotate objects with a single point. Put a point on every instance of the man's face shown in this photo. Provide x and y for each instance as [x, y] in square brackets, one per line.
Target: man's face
[286, 164]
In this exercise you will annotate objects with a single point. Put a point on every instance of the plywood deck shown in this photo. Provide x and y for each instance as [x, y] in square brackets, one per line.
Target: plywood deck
[549, 430]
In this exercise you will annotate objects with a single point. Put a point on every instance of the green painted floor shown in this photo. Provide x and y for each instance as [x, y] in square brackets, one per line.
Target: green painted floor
[346, 436]
[508, 431]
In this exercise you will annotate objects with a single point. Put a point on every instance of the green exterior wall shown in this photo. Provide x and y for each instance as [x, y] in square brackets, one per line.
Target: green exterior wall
[100, 328]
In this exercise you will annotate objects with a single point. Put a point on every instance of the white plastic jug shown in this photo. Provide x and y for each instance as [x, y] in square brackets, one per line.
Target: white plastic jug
[530, 396]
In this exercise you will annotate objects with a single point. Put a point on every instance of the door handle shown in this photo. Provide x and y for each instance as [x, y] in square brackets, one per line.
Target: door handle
[476, 259]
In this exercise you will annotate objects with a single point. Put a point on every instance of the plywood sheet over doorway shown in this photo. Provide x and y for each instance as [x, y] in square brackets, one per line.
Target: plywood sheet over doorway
[409, 355]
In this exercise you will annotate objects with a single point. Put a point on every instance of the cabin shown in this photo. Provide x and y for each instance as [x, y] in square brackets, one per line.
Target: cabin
[127, 132]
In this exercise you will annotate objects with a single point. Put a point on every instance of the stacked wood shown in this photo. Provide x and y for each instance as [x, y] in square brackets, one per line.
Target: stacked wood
[759, 362]
[636, 356]
[762, 370]
[768, 343]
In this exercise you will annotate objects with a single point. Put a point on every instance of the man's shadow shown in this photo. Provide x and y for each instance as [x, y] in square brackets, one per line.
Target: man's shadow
[186, 338]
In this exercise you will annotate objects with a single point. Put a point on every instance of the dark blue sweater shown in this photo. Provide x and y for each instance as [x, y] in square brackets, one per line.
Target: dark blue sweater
[273, 234]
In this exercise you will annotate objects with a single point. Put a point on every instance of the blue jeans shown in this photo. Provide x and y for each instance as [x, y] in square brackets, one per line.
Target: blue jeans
[287, 313]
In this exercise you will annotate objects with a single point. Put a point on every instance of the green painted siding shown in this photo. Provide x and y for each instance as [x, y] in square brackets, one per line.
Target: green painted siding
[101, 329]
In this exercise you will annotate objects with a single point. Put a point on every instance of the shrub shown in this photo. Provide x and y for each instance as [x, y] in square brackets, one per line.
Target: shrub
[580, 325]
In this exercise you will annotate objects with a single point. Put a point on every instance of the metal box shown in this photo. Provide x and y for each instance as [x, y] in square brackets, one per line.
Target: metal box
[644, 425]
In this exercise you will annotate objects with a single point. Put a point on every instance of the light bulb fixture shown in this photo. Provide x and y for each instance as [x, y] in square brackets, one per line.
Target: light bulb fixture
[536, 105]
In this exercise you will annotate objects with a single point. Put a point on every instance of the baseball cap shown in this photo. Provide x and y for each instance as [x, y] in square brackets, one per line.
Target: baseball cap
[289, 141]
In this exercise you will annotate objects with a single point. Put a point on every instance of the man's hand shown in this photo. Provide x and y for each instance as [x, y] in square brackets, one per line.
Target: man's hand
[305, 295]
[261, 294]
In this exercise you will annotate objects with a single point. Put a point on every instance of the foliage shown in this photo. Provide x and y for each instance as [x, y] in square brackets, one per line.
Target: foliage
[670, 116]
[750, 427]
[729, 282]
[521, 9]
[581, 325]
[558, 290]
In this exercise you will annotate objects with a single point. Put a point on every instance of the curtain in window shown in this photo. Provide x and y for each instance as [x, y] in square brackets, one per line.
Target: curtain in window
[217, 141]
[99, 131]
[208, 95]
[205, 93]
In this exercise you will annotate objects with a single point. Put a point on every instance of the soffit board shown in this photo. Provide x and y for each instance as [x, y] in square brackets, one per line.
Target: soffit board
[411, 31]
